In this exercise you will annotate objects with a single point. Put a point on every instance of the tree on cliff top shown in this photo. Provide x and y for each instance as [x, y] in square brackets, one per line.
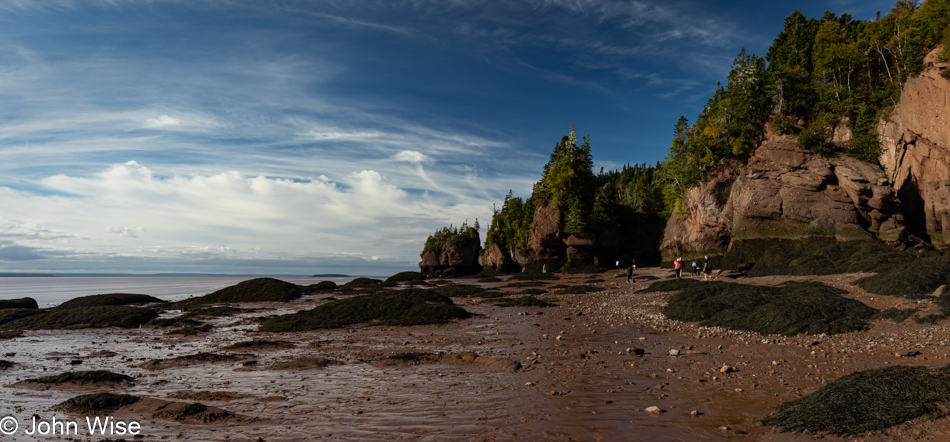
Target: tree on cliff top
[568, 182]
[454, 238]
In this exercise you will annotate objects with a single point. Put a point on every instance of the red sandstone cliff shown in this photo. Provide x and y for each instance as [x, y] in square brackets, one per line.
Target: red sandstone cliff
[916, 156]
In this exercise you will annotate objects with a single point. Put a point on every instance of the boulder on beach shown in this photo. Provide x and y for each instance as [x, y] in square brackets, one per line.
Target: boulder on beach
[254, 290]
[18, 303]
[108, 299]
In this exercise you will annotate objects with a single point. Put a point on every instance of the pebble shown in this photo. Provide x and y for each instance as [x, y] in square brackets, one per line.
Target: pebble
[654, 410]
[674, 352]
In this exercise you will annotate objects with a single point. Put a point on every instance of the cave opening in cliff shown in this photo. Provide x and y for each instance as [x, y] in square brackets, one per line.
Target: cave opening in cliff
[912, 207]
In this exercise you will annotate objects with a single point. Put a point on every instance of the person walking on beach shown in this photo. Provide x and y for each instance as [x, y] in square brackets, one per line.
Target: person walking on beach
[707, 269]
[678, 267]
[629, 273]
[695, 270]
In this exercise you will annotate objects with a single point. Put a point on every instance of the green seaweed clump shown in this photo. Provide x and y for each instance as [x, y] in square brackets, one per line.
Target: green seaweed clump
[811, 256]
[392, 308]
[915, 280]
[96, 403]
[83, 378]
[253, 290]
[406, 277]
[672, 285]
[896, 314]
[18, 303]
[788, 309]
[366, 284]
[107, 300]
[870, 400]
[259, 344]
[12, 314]
[84, 317]
[320, 287]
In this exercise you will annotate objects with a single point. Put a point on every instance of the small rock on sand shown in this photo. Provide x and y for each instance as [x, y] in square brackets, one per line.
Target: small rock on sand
[654, 410]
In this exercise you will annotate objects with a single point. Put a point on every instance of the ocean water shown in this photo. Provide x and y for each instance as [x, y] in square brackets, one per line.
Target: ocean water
[50, 291]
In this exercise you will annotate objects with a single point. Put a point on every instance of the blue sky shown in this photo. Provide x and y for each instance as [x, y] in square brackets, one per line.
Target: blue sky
[299, 137]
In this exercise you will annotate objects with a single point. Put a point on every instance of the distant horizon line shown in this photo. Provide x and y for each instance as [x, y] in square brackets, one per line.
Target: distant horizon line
[170, 274]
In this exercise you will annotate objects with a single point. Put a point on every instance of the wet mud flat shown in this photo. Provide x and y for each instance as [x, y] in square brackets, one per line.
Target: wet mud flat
[590, 368]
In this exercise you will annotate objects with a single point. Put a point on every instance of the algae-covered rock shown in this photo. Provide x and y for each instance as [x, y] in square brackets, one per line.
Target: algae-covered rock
[914, 279]
[870, 400]
[96, 403]
[84, 317]
[788, 309]
[18, 303]
[254, 290]
[406, 277]
[91, 377]
[393, 308]
[108, 299]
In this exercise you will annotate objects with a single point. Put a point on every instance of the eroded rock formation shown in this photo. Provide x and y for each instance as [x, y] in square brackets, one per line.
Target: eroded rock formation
[785, 192]
[916, 151]
[451, 260]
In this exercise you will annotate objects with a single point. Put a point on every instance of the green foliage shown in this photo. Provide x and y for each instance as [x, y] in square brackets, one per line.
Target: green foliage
[456, 238]
[511, 225]
[826, 71]
[588, 201]
[568, 175]
[817, 136]
[729, 126]
[784, 125]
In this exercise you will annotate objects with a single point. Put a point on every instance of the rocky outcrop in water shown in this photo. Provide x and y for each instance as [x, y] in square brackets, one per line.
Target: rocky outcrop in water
[916, 156]
[450, 259]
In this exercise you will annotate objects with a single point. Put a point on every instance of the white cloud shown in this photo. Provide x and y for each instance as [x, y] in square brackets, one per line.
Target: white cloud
[162, 121]
[124, 231]
[229, 215]
[411, 156]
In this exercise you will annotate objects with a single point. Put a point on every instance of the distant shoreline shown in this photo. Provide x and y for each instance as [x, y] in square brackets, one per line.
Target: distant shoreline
[179, 275]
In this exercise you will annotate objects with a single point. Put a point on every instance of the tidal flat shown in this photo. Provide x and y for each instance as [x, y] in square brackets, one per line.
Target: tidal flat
[588, 366]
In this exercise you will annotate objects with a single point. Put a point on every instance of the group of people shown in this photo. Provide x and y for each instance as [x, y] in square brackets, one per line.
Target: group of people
[705, 267]
[678, 267]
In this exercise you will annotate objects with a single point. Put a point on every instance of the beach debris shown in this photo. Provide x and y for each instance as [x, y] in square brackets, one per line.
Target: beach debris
[654, 410]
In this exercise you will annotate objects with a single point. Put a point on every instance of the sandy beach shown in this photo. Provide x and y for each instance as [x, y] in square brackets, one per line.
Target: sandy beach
[588, 368]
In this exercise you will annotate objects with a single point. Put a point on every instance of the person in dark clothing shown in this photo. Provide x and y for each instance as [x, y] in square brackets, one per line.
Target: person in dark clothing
[630, 273]
[707, 269]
